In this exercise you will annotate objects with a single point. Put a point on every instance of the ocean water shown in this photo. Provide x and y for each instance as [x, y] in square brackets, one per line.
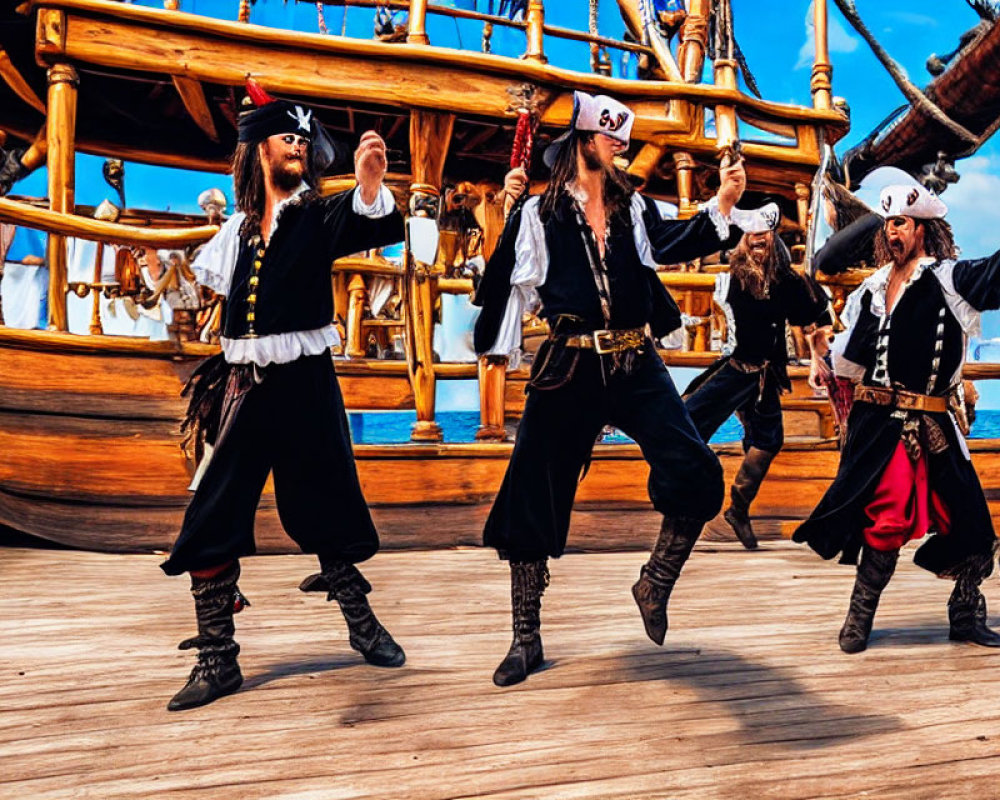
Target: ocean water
[393, 427]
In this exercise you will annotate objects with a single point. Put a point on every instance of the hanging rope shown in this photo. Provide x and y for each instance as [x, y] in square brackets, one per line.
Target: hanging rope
[320, 20]
[600, 61]
[909, 90]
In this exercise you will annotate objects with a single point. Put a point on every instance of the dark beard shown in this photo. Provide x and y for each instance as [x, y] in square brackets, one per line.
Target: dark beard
[750, 272]
[900, 253]
[283, 178]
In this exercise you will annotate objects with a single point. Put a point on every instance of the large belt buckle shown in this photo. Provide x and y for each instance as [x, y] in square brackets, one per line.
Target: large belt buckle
[604, 342]
[907, 402]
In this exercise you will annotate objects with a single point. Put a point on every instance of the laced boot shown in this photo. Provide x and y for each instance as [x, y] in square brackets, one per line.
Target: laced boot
[344, 583]
[745, 486]
[967, 606]
[658, 575]
[217, 672]
[528, 580]
[874, 571]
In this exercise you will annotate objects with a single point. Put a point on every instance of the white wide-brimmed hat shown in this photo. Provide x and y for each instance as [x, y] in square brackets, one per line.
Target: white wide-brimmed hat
[911, 201]
[594, 114]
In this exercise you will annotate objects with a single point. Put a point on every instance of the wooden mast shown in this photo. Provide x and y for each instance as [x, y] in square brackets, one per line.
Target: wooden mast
[820, 83]
[694, 41]
[536, 32]
[430, 136]
[60, 133]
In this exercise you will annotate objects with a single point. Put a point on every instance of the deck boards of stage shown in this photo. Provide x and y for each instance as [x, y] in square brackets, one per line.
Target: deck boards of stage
[749, 698]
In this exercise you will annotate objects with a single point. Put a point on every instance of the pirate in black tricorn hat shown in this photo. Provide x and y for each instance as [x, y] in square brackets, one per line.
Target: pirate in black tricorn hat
[270, 401]
[588, 248]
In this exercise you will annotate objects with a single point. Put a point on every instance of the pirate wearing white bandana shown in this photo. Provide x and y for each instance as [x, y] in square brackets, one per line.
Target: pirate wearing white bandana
[760, 295]
[270, 402]
[905, 469]
[588, 248]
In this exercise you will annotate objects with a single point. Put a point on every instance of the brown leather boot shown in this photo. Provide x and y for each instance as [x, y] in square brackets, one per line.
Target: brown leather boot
[967, 606]
[344, 583]
[217, 672]
[528, 580]
[745, 486]
[658, 575]
[874, 572]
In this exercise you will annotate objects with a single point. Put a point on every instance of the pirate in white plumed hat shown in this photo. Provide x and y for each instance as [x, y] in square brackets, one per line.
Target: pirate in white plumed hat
[270, 401]
[759, 296]
[587, 249]
[905, 470]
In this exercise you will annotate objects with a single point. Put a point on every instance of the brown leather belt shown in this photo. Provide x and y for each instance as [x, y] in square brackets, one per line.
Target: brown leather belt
[900, 398]
[609, 341]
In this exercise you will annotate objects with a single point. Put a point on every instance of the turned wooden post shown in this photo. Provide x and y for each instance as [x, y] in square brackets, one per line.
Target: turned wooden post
[430, 136]
[694, 41]
[536, 31]
[355, 347]
[492, 387]
[417, 24]
[726, 130]
[684, 164]
[96, 329]
[820, 82]
[61, 135]
[341, 305]
[802, 193]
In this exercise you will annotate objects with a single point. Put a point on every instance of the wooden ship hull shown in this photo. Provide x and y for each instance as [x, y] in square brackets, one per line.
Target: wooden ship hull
[89, 424]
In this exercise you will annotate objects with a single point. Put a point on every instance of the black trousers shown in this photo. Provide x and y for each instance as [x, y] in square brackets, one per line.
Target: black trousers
[294, 424]
[726, 390]
[530, 516]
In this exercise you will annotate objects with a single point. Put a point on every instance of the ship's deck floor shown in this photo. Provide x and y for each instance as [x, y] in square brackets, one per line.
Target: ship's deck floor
[750, 697]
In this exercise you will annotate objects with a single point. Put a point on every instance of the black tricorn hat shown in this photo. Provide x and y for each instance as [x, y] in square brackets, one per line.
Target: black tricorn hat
[273, 117]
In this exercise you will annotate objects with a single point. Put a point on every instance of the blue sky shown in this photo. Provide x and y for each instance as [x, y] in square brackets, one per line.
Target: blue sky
[775, 36]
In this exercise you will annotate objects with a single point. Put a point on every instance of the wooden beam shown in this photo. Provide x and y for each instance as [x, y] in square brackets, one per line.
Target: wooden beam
[18, 84]
[67, 224]
[311, 65]
[193, 96]
[430, 138]
[61, 132]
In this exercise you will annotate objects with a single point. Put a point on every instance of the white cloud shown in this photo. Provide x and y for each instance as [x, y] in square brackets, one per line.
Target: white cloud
[837, 38]
[973, 210]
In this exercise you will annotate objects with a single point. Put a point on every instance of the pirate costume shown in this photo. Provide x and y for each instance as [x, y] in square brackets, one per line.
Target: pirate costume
[270, 402]
[752, 374]
[599, 366]
[905, 469]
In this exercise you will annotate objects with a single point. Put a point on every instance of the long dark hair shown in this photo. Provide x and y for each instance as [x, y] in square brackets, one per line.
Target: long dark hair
[248, 182]
[757, 278]
[939, 242]
[618, 189]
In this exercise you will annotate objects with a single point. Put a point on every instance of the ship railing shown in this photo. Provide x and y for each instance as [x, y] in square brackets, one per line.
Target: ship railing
[532, 23]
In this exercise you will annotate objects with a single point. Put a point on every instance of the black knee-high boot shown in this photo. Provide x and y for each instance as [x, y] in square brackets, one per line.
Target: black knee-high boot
[658, 575]
[967, 606]
[745, 486]
[217, 672]
[344, 583]
[528, 580]
[874, 571]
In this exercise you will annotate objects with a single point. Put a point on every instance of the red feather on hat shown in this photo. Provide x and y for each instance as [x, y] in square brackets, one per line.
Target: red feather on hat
[257, 93]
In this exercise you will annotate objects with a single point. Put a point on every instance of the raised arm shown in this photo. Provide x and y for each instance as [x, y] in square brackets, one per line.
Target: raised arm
[672, 241]
[849, 246]
[365, 217]
[977, 280]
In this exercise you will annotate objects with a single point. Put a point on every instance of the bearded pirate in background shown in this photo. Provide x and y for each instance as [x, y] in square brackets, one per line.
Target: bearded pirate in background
[270, 400]
[905, 468]
[588, 248]
[759, 295]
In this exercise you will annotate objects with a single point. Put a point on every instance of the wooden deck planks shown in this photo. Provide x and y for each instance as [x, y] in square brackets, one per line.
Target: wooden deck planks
[750, 697]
